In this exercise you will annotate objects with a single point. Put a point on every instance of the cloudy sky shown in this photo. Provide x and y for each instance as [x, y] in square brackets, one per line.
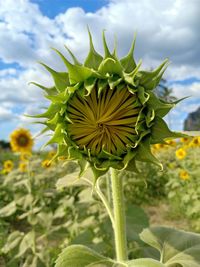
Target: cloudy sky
[28, 28]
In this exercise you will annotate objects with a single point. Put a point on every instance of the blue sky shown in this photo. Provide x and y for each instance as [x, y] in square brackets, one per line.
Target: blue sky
[28, 28]
[51, 8]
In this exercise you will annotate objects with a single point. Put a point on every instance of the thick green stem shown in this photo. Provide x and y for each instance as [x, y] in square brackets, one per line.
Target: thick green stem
[119, 216]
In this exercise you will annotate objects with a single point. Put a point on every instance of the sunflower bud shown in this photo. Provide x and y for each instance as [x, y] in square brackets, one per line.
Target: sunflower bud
[104, 112]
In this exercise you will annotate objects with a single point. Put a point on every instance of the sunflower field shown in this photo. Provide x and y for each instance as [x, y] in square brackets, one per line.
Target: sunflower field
[44, 208]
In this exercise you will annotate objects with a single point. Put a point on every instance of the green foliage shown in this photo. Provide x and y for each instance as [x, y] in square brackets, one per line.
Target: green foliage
[145, 187]
[41, 213]
[177, 248]
[34, 215]
[45, 210]
[79, 256]
[184, 195]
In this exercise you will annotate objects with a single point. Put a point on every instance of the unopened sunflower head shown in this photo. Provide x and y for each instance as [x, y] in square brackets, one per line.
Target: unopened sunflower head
[104, 112]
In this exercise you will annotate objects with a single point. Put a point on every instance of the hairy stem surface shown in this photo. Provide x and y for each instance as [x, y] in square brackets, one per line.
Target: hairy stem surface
[119, 216]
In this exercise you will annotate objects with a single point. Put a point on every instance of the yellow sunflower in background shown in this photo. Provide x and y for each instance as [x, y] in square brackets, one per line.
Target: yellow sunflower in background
[21, 140]
[185, 139]
[184, 175]
[25, 156]
[51, 154]
[181, 153]
[171, 142]
[8, 166]
[23, 166]
[195, 142]
[159, 146]
[46, 163]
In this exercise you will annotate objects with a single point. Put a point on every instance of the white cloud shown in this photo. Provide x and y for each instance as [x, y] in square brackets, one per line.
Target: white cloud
[6, 114]
[192, 90]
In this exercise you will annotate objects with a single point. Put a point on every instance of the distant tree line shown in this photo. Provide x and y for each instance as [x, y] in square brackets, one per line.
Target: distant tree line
[4, 144]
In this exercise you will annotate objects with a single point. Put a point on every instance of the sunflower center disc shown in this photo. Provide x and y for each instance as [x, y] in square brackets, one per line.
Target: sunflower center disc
[106, 121]
[22, 140]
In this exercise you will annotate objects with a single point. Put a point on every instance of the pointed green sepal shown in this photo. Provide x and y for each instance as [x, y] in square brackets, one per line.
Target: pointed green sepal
[128, 61]
[129, 157]
[76, 62]
[97, 173]
[161, 108]
[74, 153]
[110, 66]
[107, 53]
[160, 131]
[89, 84]
[144, 154]
[49, 90]
[142, 95]
[61, 79]
[130, 77]
[83, 164]
[76, 73]
[101, 85]
[150, 117]
[93, 59]
[59, 98]
[49, 113]
[114, 81]
[150, 79]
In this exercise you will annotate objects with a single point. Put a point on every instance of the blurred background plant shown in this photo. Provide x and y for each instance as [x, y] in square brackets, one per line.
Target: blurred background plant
[44, 207]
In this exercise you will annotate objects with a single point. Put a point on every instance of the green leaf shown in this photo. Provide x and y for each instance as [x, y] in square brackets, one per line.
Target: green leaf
[128, 61]
[93, 59]
[81, 256]
[85, 238]
[8, 210]
[31, 261]
[13, 240]
[177, 248]
[27, 242]
[136, 221]
[144, 263]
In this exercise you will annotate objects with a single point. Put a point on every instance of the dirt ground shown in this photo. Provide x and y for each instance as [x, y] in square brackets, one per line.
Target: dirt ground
[161, 215]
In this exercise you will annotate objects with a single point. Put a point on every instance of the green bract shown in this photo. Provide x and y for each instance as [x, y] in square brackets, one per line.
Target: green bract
[104, 113]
